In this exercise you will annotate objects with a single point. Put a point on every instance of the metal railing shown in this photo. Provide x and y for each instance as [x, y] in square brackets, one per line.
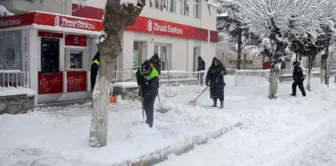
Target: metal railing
[14, 78]
[173, 77]
[178, 77]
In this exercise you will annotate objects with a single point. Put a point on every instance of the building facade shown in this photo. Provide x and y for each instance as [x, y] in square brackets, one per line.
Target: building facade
[54, 41]
[192, 33]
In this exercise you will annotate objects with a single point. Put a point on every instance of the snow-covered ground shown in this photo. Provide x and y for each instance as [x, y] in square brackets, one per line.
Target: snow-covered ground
[286, 131]
[61, 134]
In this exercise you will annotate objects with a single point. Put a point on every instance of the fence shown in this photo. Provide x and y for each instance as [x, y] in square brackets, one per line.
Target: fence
[177, 77]
[173, 77]
[14, 78]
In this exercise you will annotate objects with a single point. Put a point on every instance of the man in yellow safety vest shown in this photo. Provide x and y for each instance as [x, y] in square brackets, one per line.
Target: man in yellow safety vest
[94, 69]
[148, 81]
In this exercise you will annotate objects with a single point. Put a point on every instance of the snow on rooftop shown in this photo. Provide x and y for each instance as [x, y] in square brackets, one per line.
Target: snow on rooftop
[4, 12]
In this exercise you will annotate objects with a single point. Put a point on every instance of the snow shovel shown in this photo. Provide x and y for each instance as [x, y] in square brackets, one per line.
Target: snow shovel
[169, 94]
[193, 102]
[142, 105]
[161, 110]
[143, 110]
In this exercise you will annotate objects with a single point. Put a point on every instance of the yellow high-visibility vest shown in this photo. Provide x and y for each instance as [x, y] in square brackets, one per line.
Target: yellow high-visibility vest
[95, 61]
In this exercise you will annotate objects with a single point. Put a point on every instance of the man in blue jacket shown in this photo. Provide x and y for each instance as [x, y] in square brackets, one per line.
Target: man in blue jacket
[298, 78]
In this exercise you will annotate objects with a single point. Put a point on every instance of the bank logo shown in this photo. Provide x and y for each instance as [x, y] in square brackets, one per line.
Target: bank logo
[150, 26]
[57, 21]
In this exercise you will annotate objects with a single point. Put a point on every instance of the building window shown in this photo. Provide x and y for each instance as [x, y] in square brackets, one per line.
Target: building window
[164, 54]
[10, 52]
[138, 53]
[171, 5]
[196, 9]
[158, 4]
[76, 59]
[184, 7]
[50, 55]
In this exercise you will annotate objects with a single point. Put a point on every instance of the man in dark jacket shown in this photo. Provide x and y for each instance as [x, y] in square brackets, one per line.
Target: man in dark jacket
[200, 67]
[298, 78]
[155, 59]
[215, 77]
[94, 69]
[148, 81]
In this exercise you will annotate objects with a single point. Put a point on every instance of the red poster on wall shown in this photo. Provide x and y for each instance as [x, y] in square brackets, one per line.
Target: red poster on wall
[50, 83]
[76, 81]
[75, 40]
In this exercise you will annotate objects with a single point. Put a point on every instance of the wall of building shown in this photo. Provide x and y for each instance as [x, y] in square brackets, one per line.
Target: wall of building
[181, 50]
[204, 21]
[66, 7]
[53, 6]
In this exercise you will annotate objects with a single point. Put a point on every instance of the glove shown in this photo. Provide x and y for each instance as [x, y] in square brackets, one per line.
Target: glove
[207, 83]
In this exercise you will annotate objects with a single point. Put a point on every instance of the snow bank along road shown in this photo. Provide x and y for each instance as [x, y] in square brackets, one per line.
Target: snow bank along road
[283, 132]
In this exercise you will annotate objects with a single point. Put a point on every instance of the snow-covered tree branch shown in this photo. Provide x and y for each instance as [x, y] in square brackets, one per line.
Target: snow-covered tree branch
[4, 12]
[282, 23]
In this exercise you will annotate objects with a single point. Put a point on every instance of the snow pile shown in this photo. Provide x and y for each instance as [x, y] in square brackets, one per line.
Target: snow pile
[125, 84]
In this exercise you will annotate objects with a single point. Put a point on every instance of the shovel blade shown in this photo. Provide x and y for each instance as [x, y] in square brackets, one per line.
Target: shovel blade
[193, 102]
[162, 110]
[169, 94]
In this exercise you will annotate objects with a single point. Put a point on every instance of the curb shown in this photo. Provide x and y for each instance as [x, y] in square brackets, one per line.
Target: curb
[162, 154]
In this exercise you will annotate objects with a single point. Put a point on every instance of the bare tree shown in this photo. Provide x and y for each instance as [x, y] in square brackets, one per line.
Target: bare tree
[118, 14]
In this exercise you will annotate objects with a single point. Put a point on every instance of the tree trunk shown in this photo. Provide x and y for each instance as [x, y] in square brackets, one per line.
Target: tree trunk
[116, 18]
[274, 81]
[239, 50]
[324, 65]
[244, 61]
[311, 59]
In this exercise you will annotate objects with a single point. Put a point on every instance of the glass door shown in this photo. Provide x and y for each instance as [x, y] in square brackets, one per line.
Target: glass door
[50, 55]
[164, 58]
[162, 51]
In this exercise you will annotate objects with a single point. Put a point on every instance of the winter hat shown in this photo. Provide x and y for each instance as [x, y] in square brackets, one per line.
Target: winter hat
[146, 67]
[155, 57]
[296, 63]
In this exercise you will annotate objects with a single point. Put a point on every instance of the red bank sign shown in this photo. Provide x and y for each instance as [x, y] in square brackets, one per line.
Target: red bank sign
[141, 24]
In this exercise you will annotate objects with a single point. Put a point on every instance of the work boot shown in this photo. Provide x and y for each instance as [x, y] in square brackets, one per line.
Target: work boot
[215, 103]
[221, 104]
[150, 125]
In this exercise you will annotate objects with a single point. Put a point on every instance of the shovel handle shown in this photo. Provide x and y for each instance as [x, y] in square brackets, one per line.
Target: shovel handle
[201, 92]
